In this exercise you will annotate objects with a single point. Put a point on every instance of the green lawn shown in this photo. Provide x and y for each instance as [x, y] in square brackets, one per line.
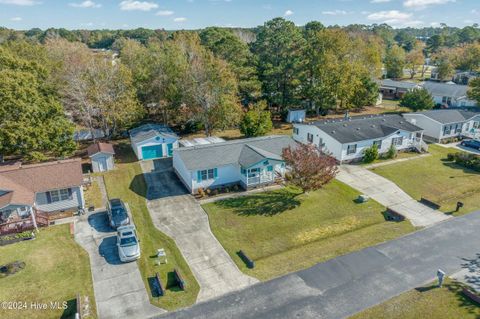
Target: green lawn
[283, 231]
[127, 183]
[93, 196]
[425, 302]
[436, 179]
[56, 269]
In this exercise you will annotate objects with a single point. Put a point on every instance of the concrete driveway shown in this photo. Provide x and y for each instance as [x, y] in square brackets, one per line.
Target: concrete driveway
[177, 214]
[343, 286]
[119, 289]
[390, 195]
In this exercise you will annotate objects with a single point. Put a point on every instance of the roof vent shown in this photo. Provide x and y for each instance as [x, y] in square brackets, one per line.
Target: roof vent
[333, 132]
[372, 126]
[358, 129]
[401, 122]
[383, 120]
[344, 125]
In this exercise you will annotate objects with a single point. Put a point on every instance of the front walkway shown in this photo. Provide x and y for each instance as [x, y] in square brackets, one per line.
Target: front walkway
[179, 215]
[119, 289]
[389, 195]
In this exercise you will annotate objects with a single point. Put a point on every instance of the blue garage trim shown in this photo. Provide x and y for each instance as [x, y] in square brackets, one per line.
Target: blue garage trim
[151, 152]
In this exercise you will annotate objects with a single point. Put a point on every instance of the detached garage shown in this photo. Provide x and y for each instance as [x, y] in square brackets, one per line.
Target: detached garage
[151, 141]
[101, 155]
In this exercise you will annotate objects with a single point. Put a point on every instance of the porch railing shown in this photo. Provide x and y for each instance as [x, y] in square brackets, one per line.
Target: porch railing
[261, 179]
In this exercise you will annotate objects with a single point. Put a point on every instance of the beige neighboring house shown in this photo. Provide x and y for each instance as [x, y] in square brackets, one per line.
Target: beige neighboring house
[32, 194]
[101, 156]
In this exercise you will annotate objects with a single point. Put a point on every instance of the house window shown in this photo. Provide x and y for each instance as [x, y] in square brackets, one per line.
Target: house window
[207, 174]
[351, 149]
[270, 168]
[476, 125]
[253, 172]
[397, 140]
[446, 130]
[458, 128]
[295, 130]
[310, 138]
[378, 143]
[59, 195]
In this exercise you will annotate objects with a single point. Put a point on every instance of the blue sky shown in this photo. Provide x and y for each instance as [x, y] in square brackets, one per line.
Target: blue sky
[190, 14]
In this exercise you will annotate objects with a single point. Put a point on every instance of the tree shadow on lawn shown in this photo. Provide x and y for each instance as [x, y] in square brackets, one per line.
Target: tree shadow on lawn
[464, 302]
[468, 171]
[124, 153]
[265, 204]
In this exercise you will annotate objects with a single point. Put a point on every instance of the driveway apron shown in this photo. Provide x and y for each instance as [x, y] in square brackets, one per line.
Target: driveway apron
[177, 214]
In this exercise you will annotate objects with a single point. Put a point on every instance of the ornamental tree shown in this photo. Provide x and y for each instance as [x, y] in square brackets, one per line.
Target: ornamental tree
[310, 169]
[417, 100]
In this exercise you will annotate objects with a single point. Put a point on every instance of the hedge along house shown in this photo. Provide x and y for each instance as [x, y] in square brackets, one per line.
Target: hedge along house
[28, 192]
[152, 141]
[101, 156]
[248, 162]
[346, 139]
[445, 124]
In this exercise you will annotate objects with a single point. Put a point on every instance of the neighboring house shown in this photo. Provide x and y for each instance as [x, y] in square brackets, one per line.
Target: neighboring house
[296, 116]
[101, 156]
[449, 94]
[464, 77]
[151, 141]
[39, 189]
[346, 139]
[391, 89]
[87, 135]
[248, 162]
[443, 124]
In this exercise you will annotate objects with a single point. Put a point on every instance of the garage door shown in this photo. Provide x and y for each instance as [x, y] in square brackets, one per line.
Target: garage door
[151, 152]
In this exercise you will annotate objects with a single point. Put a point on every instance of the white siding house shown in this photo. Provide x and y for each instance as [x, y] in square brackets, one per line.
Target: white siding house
[347, 139]
[449, 94]
[152, 141]
[248, 163]
[444, 124]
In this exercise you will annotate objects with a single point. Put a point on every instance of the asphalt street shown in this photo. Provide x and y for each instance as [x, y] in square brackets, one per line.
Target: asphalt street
[348, 284]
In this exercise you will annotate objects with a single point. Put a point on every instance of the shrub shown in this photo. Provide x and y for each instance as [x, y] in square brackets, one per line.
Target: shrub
[467, 160]
[215, 192]
[370, 154]
[392, 152]
[450, 157]
[201, 192]
[236, 188]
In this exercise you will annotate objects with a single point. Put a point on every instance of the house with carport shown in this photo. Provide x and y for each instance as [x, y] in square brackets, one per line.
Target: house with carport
[250, 163]
[347, 138]
[445, 124]
[153, 141]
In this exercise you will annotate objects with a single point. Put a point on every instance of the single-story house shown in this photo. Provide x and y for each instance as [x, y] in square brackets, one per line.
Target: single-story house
[101, 156]
[391, 89]
[151, 141]
[296, 116]
[248, 162]
[43, 189]
[347, 138]
[443, 124]
[449, 94]
[464, 77]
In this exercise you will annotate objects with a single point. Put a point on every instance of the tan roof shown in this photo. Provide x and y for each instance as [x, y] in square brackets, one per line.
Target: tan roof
[22, 182]
[100, 148]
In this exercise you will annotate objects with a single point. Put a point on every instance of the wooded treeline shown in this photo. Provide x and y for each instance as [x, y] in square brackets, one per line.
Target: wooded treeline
[210, 79]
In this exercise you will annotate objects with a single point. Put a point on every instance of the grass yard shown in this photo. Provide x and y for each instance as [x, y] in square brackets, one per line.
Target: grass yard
[56, 269]
[93, 196]
[283, 232]
[426, 302]
[435, 179]
[127, 183]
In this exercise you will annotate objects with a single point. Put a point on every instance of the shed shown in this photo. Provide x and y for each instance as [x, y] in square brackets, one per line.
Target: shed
[296, 116]
[101, 155]
[152, 141]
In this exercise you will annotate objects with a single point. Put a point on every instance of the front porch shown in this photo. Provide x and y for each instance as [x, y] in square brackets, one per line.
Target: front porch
[12, 222]
[267, 173]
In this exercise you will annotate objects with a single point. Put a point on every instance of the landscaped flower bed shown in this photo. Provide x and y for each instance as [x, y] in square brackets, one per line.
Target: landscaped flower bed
[14, 238]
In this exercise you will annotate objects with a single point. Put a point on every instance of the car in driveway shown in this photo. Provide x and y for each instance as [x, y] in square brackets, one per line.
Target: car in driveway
[117, 213]
[475, 144]
[127, 243]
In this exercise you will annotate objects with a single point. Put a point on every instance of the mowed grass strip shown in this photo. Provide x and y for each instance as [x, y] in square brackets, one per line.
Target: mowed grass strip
[56, 269]
[436, 179]
[127, 182]
[426, 302]
[285, 231]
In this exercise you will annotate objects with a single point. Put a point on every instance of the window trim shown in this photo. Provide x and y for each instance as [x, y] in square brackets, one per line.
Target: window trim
[354, 146]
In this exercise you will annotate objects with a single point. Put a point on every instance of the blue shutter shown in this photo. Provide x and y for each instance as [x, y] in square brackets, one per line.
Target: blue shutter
[199, 176]
[270, 168]
[215, 173]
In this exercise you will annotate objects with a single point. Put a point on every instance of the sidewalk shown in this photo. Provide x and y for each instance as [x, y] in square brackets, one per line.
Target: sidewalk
[389, 195]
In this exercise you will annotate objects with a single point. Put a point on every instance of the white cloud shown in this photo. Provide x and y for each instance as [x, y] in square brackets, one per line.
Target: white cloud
[422, 4]
[288, 13]
[335, 12]
[16, 19]
[130, 5]
[20, 2]
[180, 19]
[379, 1]
[85, 4]
[394, 18]
[164, 13]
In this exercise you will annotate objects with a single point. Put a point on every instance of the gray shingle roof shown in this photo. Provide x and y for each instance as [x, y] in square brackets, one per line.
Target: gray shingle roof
[444, 89]
[147, 131]
[446, 116]
[245, 152]
[398, 84]
[360, 128]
